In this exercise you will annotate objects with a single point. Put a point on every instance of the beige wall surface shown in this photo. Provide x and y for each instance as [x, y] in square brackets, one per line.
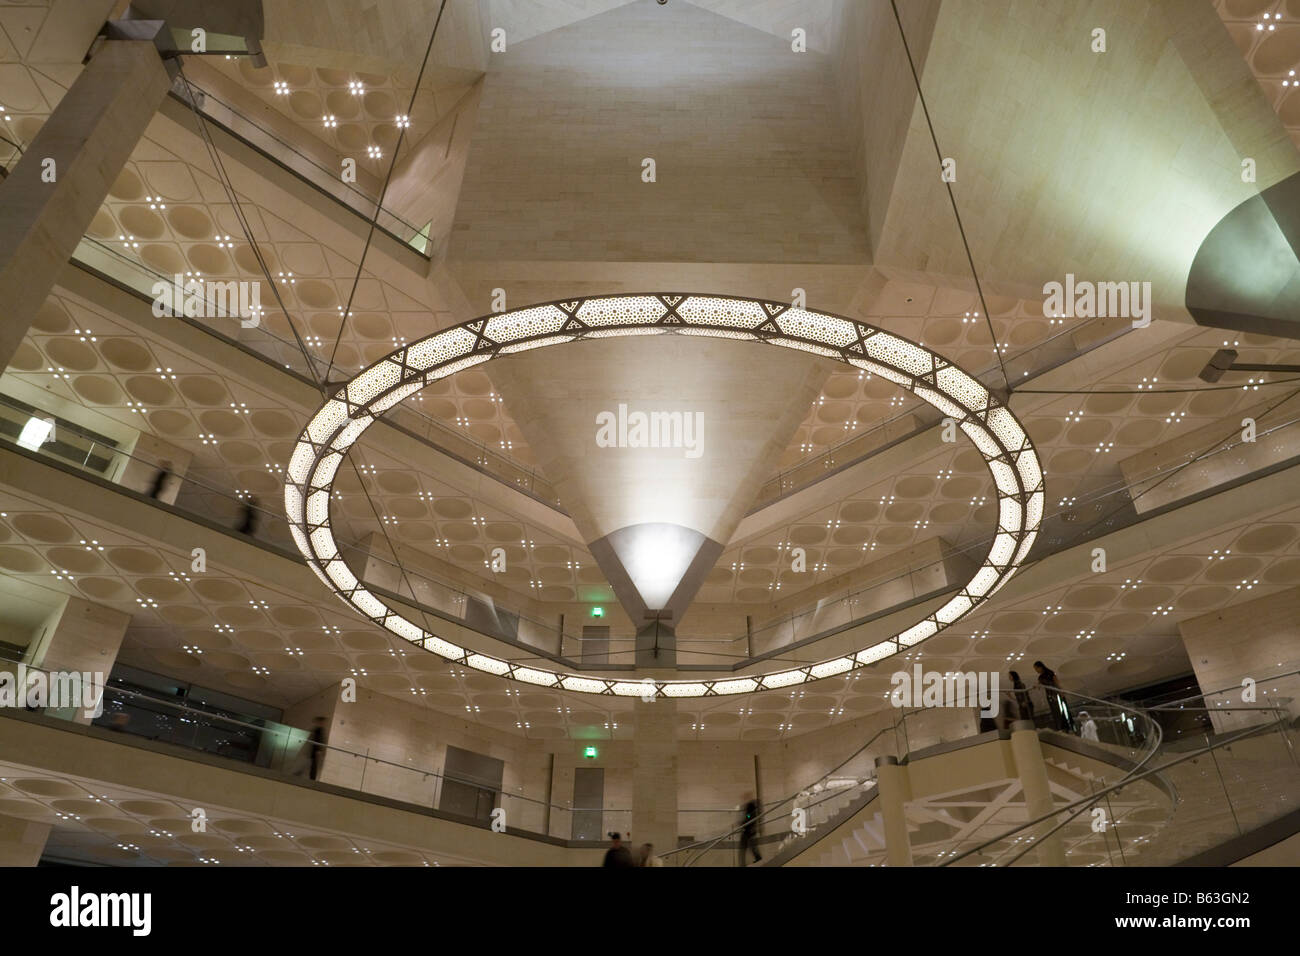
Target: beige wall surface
[1253, 639]
[560, 180]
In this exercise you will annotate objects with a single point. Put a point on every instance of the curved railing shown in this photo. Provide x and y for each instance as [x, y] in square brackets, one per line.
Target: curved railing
[291, 753]
[831, 785]
[1252, 754]
[1128, 737]
[1132, 730]
[1245, 775]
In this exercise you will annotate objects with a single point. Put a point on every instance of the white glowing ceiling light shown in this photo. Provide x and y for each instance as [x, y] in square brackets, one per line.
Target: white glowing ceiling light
[741, 685]
[783, 679]
[830, 668]
[489, 664]
[584, 685]
[531, 675]
[656, 558]
[342, 419]
[918, 633]
[35, 433]
[877, 652]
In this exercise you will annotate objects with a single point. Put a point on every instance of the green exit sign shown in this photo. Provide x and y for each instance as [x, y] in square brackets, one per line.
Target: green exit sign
[589, 752]
[597, 612]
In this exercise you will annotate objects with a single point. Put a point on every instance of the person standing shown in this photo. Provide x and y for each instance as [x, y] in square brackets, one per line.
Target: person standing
[617, 855]
[248, 525]
[1087, 726]
[648, 857]
[160, 480]
[1006, 715]
[1051, 689]
[317, 744]
[749, 829]
[1024, 706]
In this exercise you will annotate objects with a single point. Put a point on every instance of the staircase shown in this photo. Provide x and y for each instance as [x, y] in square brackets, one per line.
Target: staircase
[851, 833]
[1124, 799]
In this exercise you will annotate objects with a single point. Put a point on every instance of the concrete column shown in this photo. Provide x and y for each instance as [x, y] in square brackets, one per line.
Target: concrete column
[89, 137]
[654, 776]
[1032, 770]
[22, 841]
[82, 637]
[895, 789]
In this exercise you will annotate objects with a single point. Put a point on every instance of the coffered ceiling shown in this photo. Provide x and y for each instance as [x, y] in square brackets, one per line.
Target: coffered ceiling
[898, 264]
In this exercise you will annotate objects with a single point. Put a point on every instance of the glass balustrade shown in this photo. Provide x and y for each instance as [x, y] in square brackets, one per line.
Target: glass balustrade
[204, 496]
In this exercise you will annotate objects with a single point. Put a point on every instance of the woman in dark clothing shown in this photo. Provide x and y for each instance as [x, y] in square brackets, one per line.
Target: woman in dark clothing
[160, 480]
[617, 855]
[1024, 706]
[1055, 703]
[749, 830]
[248, 525]
[317, 744]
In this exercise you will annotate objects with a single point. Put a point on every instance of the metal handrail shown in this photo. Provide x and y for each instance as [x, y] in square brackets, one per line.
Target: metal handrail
[202, 484]
[712, 842]
[235, 721]
[1009, 692]
[1092, 798]
[1085, 802]
[352, 188]
[1133, 773]
[1211, 693]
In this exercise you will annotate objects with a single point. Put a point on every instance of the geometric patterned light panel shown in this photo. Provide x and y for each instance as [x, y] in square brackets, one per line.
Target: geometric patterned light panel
[344, 417]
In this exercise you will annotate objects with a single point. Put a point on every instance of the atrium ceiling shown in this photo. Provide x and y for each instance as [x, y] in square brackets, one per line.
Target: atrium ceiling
[775, 171]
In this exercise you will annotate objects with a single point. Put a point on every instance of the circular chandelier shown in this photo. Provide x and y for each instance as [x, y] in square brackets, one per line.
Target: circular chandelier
[344, 417]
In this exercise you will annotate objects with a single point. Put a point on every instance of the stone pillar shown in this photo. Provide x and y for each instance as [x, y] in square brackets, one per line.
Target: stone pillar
[22, 841]
[654, 776]
[89, 137]
[78, 636]
[895, 788]
[1032, 770]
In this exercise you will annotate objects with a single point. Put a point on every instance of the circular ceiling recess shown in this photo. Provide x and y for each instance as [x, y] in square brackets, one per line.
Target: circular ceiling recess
[990, 426]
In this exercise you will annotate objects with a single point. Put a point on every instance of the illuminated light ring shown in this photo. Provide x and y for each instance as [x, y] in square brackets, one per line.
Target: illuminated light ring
[985, 420]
